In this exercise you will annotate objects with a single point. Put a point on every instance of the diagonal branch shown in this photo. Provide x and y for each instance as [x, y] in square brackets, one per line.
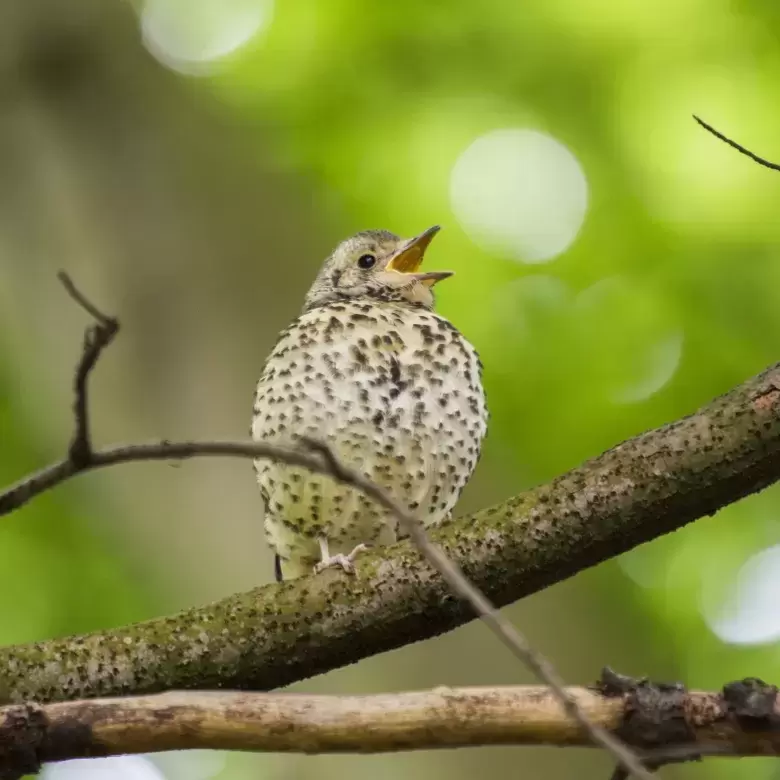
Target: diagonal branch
[277, 634]
[502, 628]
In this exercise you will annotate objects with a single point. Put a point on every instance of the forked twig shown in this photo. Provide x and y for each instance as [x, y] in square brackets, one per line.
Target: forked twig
[321, 459]
[96, 338]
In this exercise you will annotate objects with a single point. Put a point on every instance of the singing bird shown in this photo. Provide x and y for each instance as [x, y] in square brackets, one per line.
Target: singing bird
[392, 387]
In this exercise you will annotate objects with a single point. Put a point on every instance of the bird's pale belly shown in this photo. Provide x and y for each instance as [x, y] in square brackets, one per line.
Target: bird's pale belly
[399, 401]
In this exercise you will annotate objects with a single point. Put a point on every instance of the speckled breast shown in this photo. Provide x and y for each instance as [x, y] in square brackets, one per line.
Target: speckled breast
[396, 391]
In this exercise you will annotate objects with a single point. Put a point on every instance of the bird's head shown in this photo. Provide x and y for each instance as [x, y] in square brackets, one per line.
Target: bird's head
[377, 265]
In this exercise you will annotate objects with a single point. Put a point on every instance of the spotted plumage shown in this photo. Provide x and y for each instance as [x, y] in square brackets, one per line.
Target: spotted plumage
[393, 388]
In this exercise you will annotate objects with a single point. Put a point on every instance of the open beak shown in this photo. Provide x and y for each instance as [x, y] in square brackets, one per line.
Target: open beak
[408, 259]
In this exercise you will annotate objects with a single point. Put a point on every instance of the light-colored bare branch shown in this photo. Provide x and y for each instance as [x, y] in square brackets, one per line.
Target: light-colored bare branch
[419, 720]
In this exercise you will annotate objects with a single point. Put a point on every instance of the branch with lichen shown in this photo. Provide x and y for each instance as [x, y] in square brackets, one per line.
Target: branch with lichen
[274, 635]
[663, 723]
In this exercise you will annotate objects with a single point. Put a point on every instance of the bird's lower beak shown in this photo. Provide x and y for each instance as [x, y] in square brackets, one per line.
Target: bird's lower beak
[408, 259]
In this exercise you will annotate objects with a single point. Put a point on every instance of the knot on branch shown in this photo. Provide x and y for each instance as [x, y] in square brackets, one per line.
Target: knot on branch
[654, 714]
[22, 733]
[753, 703]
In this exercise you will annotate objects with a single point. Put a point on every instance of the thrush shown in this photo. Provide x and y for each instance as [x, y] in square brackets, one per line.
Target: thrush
[392, 387]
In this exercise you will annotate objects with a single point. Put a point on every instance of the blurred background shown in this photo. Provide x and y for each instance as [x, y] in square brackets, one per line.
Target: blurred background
[191, 162]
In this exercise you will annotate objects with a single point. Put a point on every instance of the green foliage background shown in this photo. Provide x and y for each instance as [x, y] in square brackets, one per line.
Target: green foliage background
[199, 209]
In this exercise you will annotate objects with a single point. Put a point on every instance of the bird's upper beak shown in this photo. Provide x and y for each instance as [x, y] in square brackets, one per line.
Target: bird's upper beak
[409, 257]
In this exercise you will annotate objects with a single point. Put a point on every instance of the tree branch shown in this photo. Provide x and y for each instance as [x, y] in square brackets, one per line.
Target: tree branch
[277, 634]
[666, 724]
[274, 635]
[502, 628]
[81, 457]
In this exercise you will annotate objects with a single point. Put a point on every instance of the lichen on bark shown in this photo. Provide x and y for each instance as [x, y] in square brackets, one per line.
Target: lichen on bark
[277, 634]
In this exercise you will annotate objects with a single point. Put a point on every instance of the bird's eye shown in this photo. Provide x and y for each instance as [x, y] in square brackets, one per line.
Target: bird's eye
[366, 261]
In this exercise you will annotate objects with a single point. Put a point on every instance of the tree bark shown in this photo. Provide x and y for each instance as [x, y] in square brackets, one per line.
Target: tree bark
[274, 635]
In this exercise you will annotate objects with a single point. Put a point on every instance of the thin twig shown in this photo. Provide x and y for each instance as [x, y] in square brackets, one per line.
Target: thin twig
[50, 477]
[82, 458]
[84, 302]
[502, 628]
[734, 145]
[96, 338]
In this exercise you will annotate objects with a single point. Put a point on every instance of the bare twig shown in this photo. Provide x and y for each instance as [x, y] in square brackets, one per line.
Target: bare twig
[102, 319]
[416, 720]
[329, 465]
[82, 458]
[483, 608]
[96, 338]
[50, 477]
[734, 145]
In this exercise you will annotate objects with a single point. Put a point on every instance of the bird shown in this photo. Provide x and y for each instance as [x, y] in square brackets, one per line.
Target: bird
[391, 387]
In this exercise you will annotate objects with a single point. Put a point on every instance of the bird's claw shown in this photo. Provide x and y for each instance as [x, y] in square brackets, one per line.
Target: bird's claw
[346, 562]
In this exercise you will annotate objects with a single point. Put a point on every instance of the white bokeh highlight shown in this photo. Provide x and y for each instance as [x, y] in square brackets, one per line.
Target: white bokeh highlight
[750, 614]
[192, 36]
[519, 192]
[115, 768]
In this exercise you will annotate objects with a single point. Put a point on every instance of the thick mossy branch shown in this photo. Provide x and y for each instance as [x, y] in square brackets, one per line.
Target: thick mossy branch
[274, 635]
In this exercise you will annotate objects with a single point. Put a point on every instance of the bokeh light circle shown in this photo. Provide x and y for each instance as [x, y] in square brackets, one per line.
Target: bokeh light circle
[519, 192]
[114, 768]
[750, 614]
[192, 37]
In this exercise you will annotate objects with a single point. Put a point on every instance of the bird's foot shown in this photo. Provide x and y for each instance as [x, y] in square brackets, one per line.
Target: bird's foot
[346, 562]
